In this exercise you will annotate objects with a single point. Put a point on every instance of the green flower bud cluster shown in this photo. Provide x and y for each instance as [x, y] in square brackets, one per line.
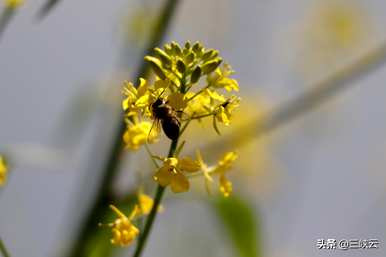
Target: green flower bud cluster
[183, 65]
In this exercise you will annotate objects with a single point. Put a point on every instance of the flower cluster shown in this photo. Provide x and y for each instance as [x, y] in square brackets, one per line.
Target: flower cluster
[123, 229]
[176, 171]
[191, 83]
[3, 171]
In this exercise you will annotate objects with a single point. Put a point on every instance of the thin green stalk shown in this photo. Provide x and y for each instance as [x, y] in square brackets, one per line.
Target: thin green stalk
[89, 224]
[47, 7]
[5, 18]
[3, 249]
[149, 221]
[153, 213]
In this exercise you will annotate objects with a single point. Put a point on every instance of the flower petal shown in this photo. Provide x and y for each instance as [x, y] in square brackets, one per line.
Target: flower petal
[188, 164]
[225, 186]
[163, 176]
[179, 183]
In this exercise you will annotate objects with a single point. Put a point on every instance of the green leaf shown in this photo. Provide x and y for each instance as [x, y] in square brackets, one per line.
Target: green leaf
[241, 223]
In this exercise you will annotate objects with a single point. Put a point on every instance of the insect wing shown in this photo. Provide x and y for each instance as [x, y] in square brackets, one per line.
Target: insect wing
[154, 130]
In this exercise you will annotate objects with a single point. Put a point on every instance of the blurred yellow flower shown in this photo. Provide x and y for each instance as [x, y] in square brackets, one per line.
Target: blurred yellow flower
[225, 185]
[123, 231]
[220, 169]
[188, 164]
[145, 204]
[223, 166]
[3, 171]
[335, 30]
[13, 4]
[225, 163]
[138, 134]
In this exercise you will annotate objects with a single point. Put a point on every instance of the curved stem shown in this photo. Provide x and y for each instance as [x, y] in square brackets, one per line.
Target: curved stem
[3, 249]
[153, 213]
[110, 167]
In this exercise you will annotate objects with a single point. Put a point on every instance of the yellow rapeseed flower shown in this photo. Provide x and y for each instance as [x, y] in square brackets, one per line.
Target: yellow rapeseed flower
[3, 171]
[220, 169]
[136, 99]
[226, 162]
[123, 230]
[145, 203]
[171, 173]
[224, 112]
[199, 105]
[223, 166]
[220, 78]
[225, 186]
[13, 4]
[139, 134]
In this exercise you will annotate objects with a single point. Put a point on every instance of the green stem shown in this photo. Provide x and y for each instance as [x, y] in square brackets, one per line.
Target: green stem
[89, 223]
[153, 213]
[47, 7]
[3, 249]
[5, 18]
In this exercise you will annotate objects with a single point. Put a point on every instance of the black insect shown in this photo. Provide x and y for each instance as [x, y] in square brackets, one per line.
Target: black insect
[165, 114]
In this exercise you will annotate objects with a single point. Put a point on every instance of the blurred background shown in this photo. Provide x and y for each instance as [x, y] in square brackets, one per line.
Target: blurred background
[320, 176]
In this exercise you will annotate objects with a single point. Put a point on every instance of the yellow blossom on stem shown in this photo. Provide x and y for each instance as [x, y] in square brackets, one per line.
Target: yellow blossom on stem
[123, 230]
[13, 4]
[199, 105]
[220, 169]
[223, 166]
[145, 204]
[225, 185]
[173, 100]
[220, 78]
[3, 171]
[171, 173]
[226, 162]
[139, 134]
[224, 112]
[136, 99]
